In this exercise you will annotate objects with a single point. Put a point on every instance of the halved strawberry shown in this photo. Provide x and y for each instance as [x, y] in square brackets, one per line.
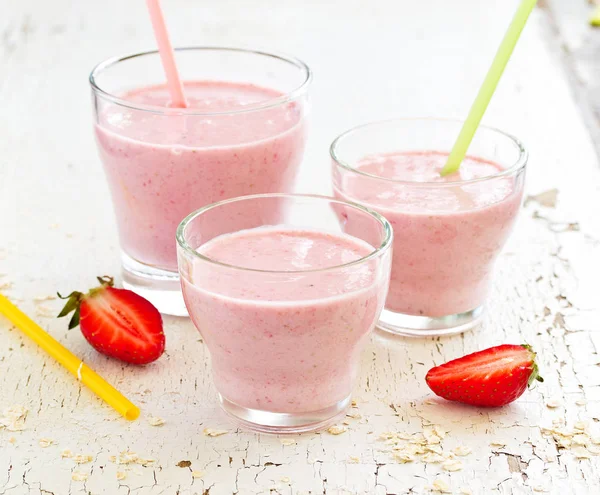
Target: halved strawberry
[490, 378]
[117, 322]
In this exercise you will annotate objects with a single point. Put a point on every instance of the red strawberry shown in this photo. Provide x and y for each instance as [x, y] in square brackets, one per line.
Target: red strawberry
[490, 378]
[117, 322]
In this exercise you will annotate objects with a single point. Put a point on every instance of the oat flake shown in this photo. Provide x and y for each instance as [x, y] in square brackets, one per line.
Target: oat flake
[121, 475]
[287, 441]
[337, 429]
[462, 450]
[581, 452]
[285, 479]
[553, 403]
[46, 442]
[82, 459]
[66, 454]
[581, 402]
[197, 474]
[156, 421]
[441, 486]
[211, 432]
[580, 425]
[452, 465]
[76, 476]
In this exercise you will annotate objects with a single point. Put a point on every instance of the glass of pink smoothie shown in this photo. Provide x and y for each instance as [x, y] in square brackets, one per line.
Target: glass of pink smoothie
[285, 308]
[448, 231]
[243, 133]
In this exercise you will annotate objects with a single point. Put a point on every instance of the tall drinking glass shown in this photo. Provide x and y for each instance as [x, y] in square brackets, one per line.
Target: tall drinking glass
[448, 230]
[243, 133]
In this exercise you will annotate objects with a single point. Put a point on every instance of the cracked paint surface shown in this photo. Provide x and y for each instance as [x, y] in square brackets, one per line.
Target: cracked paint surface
[545, 290]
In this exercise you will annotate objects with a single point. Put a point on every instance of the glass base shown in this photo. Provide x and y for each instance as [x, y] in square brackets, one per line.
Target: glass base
[425, 326]
[284, 423]
[161, 287]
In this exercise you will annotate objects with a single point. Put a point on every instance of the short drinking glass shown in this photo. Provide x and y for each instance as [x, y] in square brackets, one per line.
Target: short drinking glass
[448, 230]
[286, 308]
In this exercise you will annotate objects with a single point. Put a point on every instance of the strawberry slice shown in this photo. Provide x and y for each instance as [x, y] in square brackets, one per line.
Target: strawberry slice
[117, 322]
[490, 378]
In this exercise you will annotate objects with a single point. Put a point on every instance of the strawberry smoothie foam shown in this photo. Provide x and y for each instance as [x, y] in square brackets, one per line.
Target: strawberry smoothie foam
[286, 339]
[162, 166]
[447, 231]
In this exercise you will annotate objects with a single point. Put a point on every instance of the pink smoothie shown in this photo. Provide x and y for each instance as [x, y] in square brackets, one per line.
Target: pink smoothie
[285, 342]
[447, 235]
[162, 167]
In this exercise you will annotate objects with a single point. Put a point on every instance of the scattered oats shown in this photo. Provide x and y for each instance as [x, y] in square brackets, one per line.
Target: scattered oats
[285, 479]
[553, 403]
[354, 403]
[466, 491]
[549, 458]
[440, 486]
[430, 402]
[431, 436]
[287, 441]
[46, 442]
[497, 444]
[43, 310]
[436, 449]
[66, 454]
[76, 476]
[211, 432]
[595, 439]
[156, 421]
[462, 450]
[539, 488]
[581, 452]
[558, 422]
[580, 425]
[346, 422]
[562, 442]
[439, 431]
[6, 285]
[44, 298]
[581, 402]
[13, 418]
[12, 440]
[125, 457]
[580, 440]
[197, 474]
[82, 459]
[432, 458]
[145, 462]
[404, 457]
[353, 416]
[121, 475]
[354, 459]
[452, 465]
[337, 429]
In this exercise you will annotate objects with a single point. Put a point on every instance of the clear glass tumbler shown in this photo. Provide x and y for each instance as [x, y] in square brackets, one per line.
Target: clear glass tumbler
[243, 132]
[286, 308]
[448, 231]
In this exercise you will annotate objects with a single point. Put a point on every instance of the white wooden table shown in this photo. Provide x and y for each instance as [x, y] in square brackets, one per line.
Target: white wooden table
[371, 60]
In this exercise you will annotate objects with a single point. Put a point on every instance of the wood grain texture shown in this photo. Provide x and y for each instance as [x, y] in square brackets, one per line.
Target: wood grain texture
[371, 60]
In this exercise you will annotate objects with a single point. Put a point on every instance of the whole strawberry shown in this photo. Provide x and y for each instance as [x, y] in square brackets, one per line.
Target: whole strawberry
[117, 322]
[490, 378]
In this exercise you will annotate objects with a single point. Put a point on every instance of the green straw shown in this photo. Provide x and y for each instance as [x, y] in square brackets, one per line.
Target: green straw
[490, 84]
[595, 19]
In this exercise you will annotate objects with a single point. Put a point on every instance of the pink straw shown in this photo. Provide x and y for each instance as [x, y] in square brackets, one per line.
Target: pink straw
[167, 55]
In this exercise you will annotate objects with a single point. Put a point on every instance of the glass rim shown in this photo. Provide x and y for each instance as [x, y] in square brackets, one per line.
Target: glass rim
[519, 164]
[261, 105]
[378, 251]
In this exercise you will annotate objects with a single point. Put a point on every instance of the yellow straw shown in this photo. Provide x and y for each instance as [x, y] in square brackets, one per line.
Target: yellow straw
[595, 19]
[76, 366]
[488, 87]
